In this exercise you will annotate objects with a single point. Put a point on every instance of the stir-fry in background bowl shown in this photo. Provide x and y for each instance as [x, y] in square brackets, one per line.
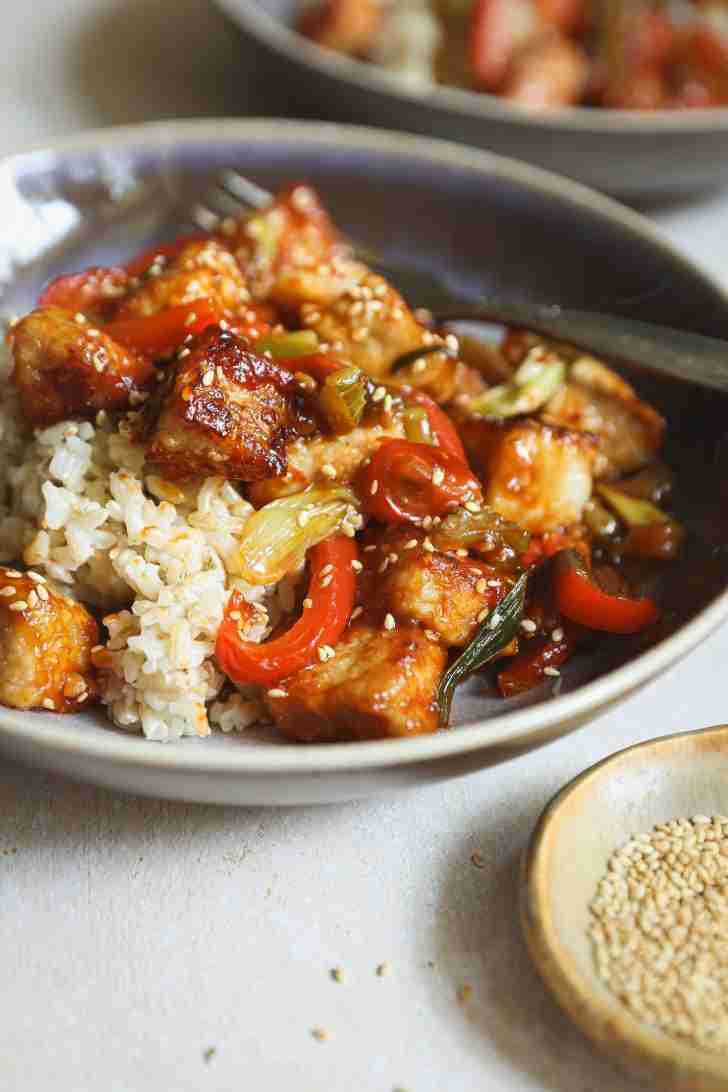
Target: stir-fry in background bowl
[479, 221]
[629, 153]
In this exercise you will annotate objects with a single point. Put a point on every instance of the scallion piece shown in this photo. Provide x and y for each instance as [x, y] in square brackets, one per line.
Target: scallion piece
[537, 380]
[289, 345]
[417, 425]
[343, 398]
[495, 634]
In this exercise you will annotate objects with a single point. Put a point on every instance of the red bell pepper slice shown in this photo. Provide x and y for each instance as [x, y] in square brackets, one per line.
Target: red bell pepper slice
[441, 426]
[161, 333]
[320, 624]
[527, 669]
[407, 481]
[581, 600]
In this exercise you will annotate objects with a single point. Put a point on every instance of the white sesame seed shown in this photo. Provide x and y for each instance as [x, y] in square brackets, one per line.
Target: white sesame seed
[80, 318]
[552, 672]
[387, 403]
[35, 577]
[326, 580]
[328, 471]
[461, 552]
[48, 703]
[528, 626]
[427, 545]
[302, 519]
[33, 599]
[43, 593]
[7, 591]
[389, 622]
[431, 635]
[419, 365]
[369, 549]
[327, 569]
[373, 487]
[208, 378]
[472, 506]
[19, 605]
[379, 394]
[384, 566]
[410, 544]
[495, 620]
[357, 565]
[13, 573]
[494, 583]
[482, 586]
[191, 318]
[307, 603]
[557, 634]
[438, 475]
[325, 652]
[356, 613]
[277, 692]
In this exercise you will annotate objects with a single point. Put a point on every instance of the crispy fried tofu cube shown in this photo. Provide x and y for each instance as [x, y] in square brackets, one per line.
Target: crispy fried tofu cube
[442, 592]
[598, 401]
[223, 411]
[45, 646]
[203, 269]
[379, 683]
[67, 369]
[534, 474]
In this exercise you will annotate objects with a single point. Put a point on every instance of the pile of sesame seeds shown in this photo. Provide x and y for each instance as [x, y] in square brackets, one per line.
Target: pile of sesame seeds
[659, 929]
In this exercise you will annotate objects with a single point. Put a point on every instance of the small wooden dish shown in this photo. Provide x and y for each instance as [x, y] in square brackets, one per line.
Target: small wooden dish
[626, 794]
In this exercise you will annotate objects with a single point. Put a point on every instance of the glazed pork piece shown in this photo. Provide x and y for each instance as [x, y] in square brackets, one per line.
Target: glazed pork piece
[379, 683]
[536, 475]
[65, 368]
[222, 410]
[203, 269]
[598, 401]
[46, 641]
[442, 592]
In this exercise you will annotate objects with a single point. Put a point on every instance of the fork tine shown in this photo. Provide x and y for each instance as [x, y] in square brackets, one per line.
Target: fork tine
[243, 190]
[204, 218]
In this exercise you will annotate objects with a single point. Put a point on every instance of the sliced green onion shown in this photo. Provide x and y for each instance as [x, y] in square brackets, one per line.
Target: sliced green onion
[417, 425]
[463, 528]
[486, 358]
[343, 398]
[634, 511]
[599, 519]
[495, 634]
[289, 345]
[276, 539]
[537, 380]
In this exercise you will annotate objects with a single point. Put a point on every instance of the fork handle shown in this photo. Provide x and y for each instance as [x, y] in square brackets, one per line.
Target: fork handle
[661, 350]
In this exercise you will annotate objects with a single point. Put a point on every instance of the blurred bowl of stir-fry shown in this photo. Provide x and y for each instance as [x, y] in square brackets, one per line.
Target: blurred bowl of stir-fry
[630, 96]
[259, 507]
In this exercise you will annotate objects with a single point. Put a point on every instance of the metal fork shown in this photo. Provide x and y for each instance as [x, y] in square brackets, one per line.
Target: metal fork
[661, 350]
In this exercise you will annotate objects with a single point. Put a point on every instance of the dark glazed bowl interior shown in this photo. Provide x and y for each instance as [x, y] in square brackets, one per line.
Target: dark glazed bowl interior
[481, 222]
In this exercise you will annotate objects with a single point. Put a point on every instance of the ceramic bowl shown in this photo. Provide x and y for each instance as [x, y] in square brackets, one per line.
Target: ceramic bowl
[628, 153]
[482, 223]
[627, 794]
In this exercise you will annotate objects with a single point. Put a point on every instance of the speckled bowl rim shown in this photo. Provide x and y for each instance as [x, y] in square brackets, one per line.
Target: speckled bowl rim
[281, 38]
[601, 1017]
[494, 731]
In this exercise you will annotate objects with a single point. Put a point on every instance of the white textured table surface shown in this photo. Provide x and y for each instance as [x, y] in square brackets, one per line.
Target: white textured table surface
[137, 936]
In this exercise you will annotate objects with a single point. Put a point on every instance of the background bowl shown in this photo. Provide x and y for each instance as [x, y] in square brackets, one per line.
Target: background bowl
[481, 222]
[628, 153]
[627, 794]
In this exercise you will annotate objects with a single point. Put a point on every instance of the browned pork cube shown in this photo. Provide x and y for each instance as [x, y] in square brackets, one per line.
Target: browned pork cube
[224, 411]
[203, 269]
[45, 646]
[378, 683]
[294, 232]
[348, 26]
[64, 368]
[441, 591]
